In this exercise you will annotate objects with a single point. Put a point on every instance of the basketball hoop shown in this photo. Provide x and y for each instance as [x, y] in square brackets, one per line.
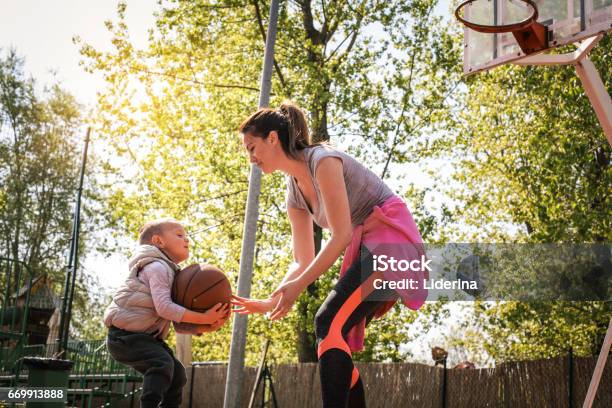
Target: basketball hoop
[530, 35]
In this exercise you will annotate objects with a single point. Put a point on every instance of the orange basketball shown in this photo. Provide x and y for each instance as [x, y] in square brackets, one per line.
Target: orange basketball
[199, 287]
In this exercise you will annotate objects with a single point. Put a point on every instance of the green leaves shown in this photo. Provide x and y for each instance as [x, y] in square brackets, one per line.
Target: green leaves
[40, 149]
[169, 115]
[514, 154]
[532, 166]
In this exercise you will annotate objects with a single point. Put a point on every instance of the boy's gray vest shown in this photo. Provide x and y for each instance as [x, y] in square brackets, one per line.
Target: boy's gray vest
[132, 308]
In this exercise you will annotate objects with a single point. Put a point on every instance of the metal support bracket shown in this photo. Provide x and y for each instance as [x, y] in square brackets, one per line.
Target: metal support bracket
[533, 38]
[591, 81]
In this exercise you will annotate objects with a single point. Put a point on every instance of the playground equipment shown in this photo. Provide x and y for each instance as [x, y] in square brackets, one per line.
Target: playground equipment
[14, 311]
[95, 379]
[27, 304]
[517, 31]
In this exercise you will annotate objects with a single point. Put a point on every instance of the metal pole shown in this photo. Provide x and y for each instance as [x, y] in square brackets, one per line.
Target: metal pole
[444, 384]
[60, 332]
[233, 384]
[191, 385]
[599, 368]
[75, 241]
[258, 377]
[602, 105]
[66, 311]
[596, 91]
[570, 378]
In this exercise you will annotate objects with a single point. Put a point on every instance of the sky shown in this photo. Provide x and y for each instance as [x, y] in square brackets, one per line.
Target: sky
[42, 32]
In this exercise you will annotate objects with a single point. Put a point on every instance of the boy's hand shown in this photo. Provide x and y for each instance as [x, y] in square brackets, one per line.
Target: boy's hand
[207, 328]
[218, 313]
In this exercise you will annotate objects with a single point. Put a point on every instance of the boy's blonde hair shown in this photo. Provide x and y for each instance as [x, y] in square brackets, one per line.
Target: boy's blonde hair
[155, 227]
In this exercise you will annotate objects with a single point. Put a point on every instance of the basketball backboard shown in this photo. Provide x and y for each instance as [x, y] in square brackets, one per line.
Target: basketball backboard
[568, 21]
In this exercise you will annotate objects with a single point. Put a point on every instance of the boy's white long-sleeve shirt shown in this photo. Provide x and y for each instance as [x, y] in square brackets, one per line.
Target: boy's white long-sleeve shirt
[155, 277]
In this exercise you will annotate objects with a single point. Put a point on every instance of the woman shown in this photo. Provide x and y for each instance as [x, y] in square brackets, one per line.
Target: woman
[365, 219]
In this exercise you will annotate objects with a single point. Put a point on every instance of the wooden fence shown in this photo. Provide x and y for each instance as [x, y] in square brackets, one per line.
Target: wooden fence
[538, 383]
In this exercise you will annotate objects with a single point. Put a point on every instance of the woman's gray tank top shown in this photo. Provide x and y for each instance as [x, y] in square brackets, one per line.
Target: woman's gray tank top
[364, 188]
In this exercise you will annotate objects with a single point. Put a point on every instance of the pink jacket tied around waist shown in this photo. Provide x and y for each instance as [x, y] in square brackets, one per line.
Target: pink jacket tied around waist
[389, 230]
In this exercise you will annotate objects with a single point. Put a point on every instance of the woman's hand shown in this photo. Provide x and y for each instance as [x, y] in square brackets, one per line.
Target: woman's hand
[249, 306]
[287, 293]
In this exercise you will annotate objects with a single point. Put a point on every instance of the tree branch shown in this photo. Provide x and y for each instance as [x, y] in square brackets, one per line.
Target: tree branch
[353, 36]
[250, 88]
[311, 32]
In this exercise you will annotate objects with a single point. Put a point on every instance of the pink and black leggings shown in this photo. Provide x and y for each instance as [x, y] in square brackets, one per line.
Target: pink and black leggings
[352, 299]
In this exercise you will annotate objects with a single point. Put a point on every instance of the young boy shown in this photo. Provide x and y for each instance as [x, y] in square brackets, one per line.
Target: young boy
[139, 316]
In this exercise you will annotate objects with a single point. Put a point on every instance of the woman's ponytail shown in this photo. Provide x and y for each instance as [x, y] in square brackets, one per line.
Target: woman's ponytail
[298, 134]
[288, 121]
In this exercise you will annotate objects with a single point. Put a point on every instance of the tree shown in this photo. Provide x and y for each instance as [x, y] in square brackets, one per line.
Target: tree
[39, 159]
[372, 74]
[531, 166]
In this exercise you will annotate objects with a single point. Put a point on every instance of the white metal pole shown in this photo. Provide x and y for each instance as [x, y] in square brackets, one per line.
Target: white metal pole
[599, 367]
[235, 369]
[596, 91]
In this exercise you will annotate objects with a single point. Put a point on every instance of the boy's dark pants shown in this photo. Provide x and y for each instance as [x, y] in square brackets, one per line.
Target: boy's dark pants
[164, 375]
